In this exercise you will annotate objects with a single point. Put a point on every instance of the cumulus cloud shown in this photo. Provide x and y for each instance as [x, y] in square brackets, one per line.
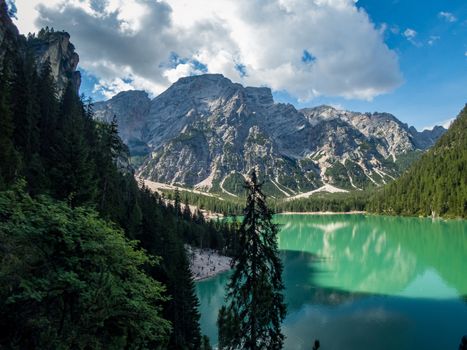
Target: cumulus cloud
[308, 48]
[447, 16]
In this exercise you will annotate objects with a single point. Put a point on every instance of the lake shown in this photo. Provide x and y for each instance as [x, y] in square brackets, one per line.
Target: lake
[365, 282]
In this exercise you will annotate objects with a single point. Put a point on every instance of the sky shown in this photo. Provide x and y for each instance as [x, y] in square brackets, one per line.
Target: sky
[405, 57]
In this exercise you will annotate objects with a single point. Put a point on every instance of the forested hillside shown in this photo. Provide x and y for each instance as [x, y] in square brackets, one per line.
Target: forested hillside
[89, 260]
[434, 185]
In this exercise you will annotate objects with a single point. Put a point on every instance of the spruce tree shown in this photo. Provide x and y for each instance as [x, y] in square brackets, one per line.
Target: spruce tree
[182, 309]
[9, 157]
[46, 95]
[177, 203]
[254, 310]
[26, 107]
[205, 343]
[73, 170]
[186, 210]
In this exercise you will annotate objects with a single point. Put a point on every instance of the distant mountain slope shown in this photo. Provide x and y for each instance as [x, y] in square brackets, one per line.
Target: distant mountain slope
[434, 185]
[207, 132]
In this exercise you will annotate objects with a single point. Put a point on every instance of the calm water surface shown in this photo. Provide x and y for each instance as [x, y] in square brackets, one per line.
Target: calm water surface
[366, 282]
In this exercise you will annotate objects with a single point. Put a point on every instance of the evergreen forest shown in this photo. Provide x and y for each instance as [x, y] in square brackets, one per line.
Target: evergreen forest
[90, 259]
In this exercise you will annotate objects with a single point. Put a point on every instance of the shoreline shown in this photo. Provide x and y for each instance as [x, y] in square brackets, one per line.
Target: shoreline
[206, 263]
[353, 212]
[214, 274]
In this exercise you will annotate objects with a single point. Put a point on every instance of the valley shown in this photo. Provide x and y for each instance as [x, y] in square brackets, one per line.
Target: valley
[240, 182]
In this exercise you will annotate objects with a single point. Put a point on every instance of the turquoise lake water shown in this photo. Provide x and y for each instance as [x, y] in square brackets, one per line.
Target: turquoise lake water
[365, 282]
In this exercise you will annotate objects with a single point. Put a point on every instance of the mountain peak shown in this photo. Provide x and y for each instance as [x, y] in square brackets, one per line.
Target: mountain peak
[213, 78]
[207, 129]
[210, 91]
[131, 94]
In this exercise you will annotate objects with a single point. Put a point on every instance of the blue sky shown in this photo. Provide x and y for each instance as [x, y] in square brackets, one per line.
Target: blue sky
[405, 57]
[434, 73]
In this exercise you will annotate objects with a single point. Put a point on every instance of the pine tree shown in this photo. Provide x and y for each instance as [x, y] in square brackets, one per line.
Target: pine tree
[186, 210]
[26, 107]
[106, 152]
[73, 172]
[9, 158]
[49, 108]
[254, 310]
[205, 343]
[177, 203]
[182, 309]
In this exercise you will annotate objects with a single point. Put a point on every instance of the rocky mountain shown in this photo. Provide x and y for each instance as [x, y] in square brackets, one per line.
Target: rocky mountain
[55, 48]
[47, 46]
[131, 109]
[207, 132]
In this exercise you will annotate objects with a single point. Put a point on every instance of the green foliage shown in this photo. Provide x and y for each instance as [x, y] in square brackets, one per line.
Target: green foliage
[234, 183]
[436, 184]
[177, 203]
[205, 344]
[404, 160]
[71, 280]
[339, 175]
[359, 179]
[217, 204]
[56, 146]
[336, 202]
[9, 157]
[73, 171]
[228, 205]
[162, 234]
[254, 310]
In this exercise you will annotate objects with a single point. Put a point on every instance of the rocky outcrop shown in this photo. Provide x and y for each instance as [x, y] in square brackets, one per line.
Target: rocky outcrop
[207, 132]
[46, 46]
[131, 109]
[55, 48]
[426, 138]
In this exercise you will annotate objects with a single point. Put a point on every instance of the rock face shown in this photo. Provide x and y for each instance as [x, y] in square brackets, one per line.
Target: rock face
[47, 46]
[55, 48]
[131, 108]
[207, 132]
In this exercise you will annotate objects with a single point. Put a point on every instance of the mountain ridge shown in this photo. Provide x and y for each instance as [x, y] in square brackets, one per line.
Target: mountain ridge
[436, 184]
[207, 132]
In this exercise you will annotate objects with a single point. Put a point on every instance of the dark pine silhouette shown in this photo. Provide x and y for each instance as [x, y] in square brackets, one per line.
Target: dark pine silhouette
[254, 310]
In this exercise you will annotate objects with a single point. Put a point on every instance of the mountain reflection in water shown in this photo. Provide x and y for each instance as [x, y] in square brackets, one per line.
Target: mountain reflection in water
[366, 282]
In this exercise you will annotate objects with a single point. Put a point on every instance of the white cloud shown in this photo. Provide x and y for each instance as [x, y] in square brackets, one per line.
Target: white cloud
[433, 39]
[181, 70]
[133, 43]
[111, 87]
[411, 35]
[447, 16]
